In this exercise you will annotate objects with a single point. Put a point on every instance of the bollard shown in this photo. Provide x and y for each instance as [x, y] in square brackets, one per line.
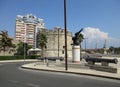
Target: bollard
[47, 62]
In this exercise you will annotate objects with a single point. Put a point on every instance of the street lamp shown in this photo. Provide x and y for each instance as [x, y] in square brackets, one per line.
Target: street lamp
[24, 45]
[36, 30]
[25, 42]
[58, 42]
[85, 45]
[65, 27]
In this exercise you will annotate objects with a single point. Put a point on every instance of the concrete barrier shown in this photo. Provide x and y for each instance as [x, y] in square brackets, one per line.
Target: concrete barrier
[104, 68]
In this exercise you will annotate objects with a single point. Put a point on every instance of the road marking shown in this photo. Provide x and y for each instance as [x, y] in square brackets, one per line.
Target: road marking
[13, 81]
[33, 85]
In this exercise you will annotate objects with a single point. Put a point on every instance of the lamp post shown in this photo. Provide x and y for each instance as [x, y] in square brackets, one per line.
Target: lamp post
[65, 27]
[24, 50]
[25, 42]
[58, 43]
[36, 31]
[85, 45]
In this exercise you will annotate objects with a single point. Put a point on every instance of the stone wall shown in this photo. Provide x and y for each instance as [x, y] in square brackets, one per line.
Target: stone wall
[56, 43]
[9, 51]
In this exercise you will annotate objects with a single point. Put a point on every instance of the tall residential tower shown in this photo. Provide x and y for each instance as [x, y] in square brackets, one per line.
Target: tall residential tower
[26, 30]
[27, 27]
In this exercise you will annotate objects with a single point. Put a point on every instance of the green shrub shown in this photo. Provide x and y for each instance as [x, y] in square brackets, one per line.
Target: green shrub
[6, 58]
[17, 57]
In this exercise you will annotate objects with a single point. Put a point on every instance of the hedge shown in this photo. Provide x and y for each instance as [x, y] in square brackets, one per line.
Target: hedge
[18, 57]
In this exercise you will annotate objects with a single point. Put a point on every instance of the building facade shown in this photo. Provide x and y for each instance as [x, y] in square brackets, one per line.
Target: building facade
[27, 27]
[26, 31]
[56, 43]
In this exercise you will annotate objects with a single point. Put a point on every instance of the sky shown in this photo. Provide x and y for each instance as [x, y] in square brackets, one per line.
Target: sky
[99, 18]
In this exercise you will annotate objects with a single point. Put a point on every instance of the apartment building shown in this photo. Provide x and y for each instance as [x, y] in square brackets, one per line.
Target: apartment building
[26, 30]
[27, 27]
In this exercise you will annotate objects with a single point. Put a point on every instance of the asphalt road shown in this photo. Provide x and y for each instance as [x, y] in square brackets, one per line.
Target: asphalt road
[11, 75]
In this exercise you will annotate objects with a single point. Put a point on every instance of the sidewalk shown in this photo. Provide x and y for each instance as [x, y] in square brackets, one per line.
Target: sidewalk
[72, 68]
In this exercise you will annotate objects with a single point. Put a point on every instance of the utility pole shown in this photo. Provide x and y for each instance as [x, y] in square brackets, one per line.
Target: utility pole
[25, 42]
[85, 45]
[65, 27]
[58, 42]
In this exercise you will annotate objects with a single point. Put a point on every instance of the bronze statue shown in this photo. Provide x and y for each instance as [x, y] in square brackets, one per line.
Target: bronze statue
[76, 38]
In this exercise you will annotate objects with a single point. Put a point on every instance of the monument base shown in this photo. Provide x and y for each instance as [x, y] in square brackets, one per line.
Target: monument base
[104, 68]
[76, 54]
[76, 61]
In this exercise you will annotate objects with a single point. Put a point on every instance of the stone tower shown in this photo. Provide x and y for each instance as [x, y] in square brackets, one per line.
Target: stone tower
[55, 42]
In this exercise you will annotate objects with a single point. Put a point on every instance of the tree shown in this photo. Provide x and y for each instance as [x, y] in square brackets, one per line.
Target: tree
[111, 49]
[5, 41]
[41, 40]
[81, 38]
[20, 49]
[78, 38]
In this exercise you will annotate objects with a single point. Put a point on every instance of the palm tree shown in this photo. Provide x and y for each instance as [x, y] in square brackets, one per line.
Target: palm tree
[111, 49]
[81, 38]
[20, 49]
[41, 40]
[5, 40]
[78, 38]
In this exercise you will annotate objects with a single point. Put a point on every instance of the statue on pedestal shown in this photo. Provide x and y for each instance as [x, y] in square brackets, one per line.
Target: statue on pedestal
[78, 38]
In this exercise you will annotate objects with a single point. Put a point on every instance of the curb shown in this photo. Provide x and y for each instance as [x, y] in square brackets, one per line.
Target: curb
[70, 72]
[6, 61]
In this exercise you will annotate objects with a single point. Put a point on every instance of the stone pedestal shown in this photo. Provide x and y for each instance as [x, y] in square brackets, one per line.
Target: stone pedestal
[76, 54]
[105, 52]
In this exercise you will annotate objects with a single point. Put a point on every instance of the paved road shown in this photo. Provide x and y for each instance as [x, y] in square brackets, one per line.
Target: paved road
[11, 75]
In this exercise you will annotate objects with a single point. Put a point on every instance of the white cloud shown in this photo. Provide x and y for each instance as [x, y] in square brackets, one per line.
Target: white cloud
[94, 33]
[95, 37]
